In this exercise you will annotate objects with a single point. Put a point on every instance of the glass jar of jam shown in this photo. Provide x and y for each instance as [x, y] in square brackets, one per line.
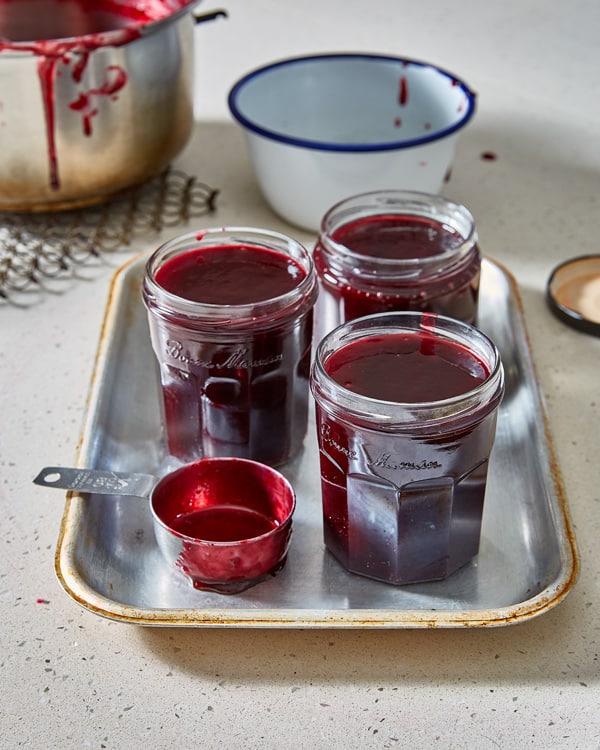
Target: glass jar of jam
[395, 250]
[406, 416]
[230, 313]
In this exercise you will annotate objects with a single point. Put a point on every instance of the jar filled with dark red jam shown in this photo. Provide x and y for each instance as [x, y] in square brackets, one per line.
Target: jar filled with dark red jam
[406, 407]
[231, 314]
[394, 250]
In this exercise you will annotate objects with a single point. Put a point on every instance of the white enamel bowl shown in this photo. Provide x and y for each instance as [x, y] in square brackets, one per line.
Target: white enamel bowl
[324, 127]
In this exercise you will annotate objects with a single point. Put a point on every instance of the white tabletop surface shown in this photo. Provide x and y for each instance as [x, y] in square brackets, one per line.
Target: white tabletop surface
[74, 680]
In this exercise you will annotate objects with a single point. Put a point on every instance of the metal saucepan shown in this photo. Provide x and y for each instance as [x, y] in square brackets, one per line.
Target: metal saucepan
[96, 96]
[226, 523]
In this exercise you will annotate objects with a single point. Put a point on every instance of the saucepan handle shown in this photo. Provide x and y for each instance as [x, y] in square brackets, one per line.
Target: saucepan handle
[210, 16]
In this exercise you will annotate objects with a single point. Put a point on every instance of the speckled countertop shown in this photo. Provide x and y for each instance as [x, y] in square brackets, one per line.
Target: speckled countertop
[74, 680]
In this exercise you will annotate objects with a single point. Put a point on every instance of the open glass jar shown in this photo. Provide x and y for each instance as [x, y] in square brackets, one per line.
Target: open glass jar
[406, 417]
[395, 250]
[230, 314]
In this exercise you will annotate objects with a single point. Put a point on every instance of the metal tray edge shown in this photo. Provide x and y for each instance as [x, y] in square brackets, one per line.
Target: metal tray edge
[65, 567]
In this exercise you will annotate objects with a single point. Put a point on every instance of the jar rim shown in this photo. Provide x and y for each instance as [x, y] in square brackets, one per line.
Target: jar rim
[403, 203]
[273, 308]
[346, 403]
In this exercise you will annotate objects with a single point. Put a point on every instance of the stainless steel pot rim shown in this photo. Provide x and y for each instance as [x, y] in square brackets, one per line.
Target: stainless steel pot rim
[112, 38]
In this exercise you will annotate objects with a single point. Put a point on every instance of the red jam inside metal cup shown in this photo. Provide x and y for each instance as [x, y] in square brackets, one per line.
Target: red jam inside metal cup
[226, 523]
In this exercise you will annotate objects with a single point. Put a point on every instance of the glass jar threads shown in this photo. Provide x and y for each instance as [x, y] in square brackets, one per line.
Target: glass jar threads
[395, 250]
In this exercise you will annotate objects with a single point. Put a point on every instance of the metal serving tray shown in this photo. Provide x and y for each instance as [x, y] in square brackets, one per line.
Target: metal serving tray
[108, 561]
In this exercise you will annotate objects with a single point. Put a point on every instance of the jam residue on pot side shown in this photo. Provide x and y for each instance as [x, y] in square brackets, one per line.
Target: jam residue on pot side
[62, 34]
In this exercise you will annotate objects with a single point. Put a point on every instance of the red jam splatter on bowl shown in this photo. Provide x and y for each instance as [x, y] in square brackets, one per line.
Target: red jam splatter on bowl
[403, 92]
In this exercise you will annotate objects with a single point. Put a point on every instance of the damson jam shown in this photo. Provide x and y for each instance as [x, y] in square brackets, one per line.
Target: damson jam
[230, 314]
[396, 250]
[226, 523]
[406, 417]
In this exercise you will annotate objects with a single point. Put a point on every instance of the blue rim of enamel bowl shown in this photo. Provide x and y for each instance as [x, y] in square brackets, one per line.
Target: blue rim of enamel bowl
[349, 147]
